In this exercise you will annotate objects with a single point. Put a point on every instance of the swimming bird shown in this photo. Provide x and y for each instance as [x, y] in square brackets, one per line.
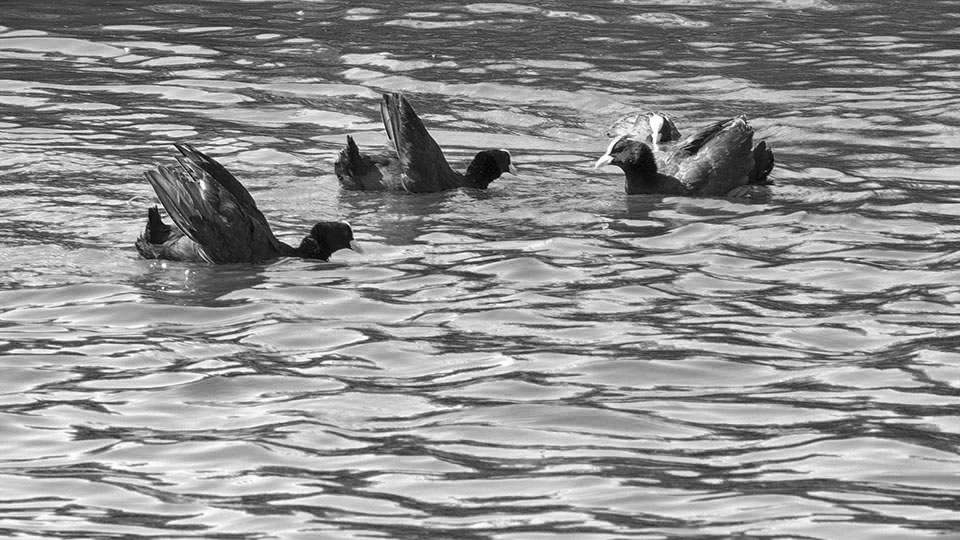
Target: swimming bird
[417, 163]
[650, 126]
[217, 221]
[719, 160]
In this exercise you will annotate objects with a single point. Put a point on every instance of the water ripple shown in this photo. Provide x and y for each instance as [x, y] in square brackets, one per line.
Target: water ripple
[546, 358]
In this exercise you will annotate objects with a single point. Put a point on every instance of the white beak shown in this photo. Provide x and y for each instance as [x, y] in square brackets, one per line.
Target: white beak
[656, 125]
[355, 246]
[605, 159]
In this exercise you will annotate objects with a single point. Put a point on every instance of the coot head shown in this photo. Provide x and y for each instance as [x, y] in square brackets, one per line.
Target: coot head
[488, 165]
[628, 154]
[658, 123]
[652, 126]
[326, 238]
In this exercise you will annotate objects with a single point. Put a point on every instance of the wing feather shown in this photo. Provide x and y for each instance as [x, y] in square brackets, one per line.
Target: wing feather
[421, 159]
[202, 203]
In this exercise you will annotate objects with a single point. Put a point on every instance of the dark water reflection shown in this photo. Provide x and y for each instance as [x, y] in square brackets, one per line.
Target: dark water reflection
[547, 359]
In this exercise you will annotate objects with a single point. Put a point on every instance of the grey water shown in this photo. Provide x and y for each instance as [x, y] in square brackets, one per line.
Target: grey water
[546, 359]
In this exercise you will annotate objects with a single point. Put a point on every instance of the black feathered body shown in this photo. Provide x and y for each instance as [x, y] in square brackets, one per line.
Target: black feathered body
[712, 162]
[418, 164]
[217, 221]
[212, 208]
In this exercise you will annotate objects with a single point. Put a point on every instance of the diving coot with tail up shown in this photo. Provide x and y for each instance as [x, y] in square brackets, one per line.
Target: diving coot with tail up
[217, 221]
[417, 163]
[720, 160]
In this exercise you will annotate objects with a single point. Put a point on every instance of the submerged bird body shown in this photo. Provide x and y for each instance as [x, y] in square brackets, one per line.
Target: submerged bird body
[650, 127]
[716, 161]
[217, 220]
[418, 164]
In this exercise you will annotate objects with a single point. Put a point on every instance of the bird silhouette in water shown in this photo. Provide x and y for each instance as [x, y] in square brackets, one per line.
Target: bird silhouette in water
[416, 163]
[217, 221]
[719, 160]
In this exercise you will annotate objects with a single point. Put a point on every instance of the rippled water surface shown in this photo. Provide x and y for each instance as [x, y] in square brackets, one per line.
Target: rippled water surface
[546, 359]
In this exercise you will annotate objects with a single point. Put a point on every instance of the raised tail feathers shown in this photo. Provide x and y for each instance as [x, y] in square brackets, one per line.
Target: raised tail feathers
[156, 231]
[150, 242]
[762, 164]
[348, 166]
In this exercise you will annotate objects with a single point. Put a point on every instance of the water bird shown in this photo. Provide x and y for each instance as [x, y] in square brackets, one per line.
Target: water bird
[217, 221]
[652, 127]
[416, 163]
[719, 160]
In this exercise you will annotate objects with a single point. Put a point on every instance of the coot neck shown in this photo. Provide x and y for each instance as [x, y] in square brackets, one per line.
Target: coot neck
[641, 174]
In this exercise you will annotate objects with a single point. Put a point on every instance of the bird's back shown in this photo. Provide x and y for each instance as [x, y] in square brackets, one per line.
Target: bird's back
[714, 160]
